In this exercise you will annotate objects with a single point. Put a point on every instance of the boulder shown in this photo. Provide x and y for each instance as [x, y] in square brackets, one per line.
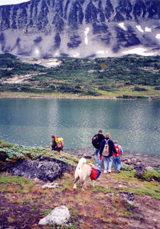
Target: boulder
[51, 185]
[44, 168]
[140, 169]
[66, 167]
[58, 216]
[128, 196]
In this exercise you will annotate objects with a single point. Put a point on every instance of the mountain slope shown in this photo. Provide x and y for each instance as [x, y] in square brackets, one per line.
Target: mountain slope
[80, 28]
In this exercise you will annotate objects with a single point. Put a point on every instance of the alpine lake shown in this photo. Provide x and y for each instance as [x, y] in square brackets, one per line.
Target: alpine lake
[31, 122]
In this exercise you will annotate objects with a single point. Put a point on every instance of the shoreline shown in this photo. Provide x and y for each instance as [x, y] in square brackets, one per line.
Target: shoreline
[150, 160]
[25, 95]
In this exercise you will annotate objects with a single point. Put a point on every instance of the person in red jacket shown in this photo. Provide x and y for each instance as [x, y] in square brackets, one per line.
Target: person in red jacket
[117, 157]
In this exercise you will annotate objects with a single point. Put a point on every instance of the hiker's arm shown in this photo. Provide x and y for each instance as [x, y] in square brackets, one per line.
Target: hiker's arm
[54, 143]
[101, 148]
[113, 148]
[120, 148]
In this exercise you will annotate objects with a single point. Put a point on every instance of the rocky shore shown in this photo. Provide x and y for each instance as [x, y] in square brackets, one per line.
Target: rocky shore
[130, 158]
[48, 169]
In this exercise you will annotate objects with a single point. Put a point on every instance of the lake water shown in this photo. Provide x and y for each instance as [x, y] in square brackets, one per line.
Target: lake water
[31, 122]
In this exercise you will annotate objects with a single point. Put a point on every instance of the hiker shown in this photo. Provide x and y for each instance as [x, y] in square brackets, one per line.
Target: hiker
[106, 150]
[117, 157]
[96, 141]
[53, 143]
[57, 143]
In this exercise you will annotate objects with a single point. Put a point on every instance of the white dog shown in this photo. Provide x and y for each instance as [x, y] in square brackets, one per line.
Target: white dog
[82, 172]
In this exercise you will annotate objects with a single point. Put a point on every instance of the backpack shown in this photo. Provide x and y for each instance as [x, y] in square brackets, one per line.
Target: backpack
[106, 148]
[59, 143]
[95, 172]
[95, 141]
[118, 151]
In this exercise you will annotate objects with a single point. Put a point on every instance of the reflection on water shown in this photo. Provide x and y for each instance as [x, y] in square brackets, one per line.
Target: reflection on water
[135, 124]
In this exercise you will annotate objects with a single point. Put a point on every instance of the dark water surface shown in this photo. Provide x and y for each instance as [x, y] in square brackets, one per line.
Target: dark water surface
[31, 122]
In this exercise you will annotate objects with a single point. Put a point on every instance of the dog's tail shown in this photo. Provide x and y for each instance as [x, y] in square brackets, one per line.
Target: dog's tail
[81, 163]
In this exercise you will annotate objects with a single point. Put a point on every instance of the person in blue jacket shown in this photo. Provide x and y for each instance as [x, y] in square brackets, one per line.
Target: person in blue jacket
[107, 159]
[100, 138]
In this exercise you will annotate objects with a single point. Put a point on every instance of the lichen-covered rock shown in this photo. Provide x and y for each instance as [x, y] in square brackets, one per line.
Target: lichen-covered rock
[44, 168]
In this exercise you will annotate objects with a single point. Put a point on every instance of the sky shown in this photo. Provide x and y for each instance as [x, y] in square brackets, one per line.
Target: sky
[10, 2]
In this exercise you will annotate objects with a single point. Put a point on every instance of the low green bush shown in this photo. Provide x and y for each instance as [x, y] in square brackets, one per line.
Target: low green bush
[131, 97]
[91, 92]
[139, 89]
[149, 175]
[13, 152]
[127, 168]
[157, 169]
[157, 88]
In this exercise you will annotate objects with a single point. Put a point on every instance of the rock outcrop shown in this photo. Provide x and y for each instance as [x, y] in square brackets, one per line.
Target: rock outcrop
[44, 168]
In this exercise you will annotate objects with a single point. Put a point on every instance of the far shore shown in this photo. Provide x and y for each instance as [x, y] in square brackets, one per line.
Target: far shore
[19, 95]
[25, 95]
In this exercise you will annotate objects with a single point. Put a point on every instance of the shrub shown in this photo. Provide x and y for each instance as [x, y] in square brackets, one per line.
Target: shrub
[149, 175]
[91, 92]
[157, 169]
[127, 168]
[139, 89]
[132, 97]
[105, 88]
[157, 88]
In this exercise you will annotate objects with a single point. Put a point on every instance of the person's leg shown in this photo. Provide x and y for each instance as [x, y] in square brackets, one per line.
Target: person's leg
[96, 156]
[119, 162]
[115, 163]
[105, 164]
[109, 164]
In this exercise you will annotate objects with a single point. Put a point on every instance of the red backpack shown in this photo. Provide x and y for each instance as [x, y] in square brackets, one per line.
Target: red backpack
[118, 151]
[95, 172]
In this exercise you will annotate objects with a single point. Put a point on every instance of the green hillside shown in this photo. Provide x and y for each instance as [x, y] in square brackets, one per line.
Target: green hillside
[123, 77]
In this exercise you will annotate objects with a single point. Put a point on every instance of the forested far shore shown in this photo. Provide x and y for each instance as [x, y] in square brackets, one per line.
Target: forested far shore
[126, 77]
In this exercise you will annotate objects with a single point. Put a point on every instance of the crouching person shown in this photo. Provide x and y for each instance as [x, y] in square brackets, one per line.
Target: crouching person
[57, 143]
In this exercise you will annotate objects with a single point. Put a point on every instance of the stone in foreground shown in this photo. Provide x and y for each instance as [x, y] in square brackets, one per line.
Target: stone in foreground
[58, 216]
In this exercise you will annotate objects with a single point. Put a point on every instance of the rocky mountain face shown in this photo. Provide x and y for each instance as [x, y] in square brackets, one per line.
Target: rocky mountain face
[80, 28]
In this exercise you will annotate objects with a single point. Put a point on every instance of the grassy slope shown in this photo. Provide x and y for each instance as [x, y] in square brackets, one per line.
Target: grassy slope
[84, 78]
[24, 202]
